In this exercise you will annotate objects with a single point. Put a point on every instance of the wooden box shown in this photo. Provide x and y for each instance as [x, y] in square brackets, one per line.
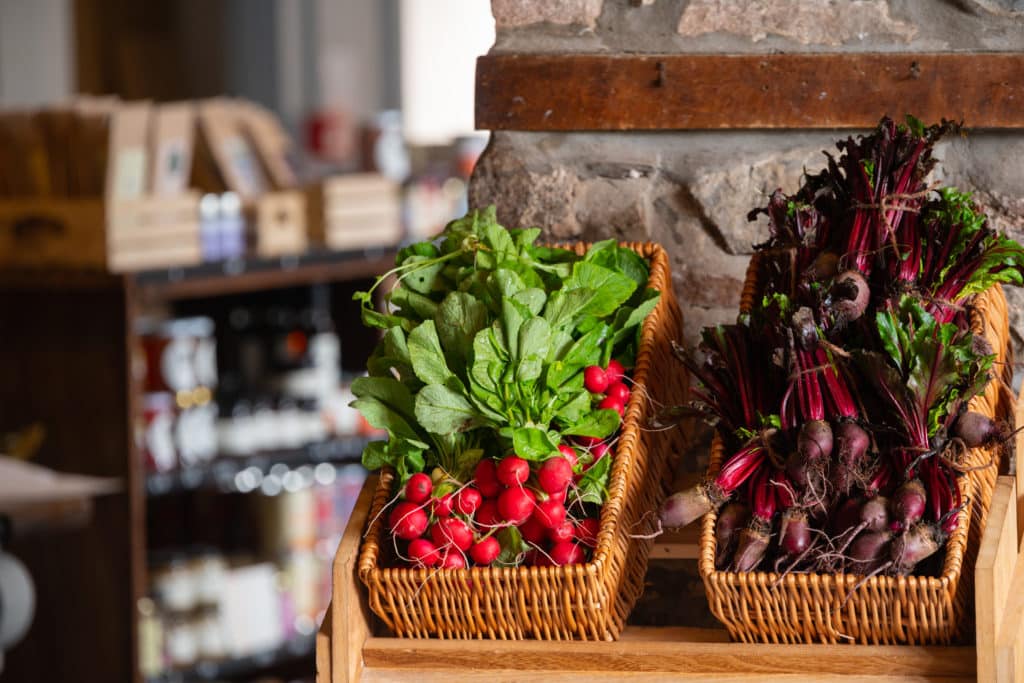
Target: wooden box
[134, 234]
[356, 211]
[280, 219]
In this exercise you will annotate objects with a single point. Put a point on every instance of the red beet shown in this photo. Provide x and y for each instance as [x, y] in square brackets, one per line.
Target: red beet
[852, 443]
[977, 430]
[849, 295]
[914, 545]
[795, 532]
[753, 543]
[909, 503]
[683, 507]
[733, 517]
[868, 551]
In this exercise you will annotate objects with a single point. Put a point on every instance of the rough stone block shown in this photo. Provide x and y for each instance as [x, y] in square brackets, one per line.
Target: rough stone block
[726, 194]
[517, 13]
[808, 22]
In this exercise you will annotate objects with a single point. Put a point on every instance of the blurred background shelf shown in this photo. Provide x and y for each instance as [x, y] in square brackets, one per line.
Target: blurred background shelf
[238, 276]
[243, 474]
[291, 659]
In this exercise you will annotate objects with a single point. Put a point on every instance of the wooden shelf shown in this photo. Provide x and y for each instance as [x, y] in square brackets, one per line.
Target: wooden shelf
[563, 92]
[250, 667]
[219, 474]
[358, 650]
[238, 276]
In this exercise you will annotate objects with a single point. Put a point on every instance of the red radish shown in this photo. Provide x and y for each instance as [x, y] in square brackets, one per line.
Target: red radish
[513, 471]
[595, 379]
[485, 551]
[533, 531]
[599, 451]
[486, 478]
[586, 531]
[516, 505]
[549, 512]
[453, 559]
[563, 532]
[566, 552]
[407, 521]
[423, 552]
[451, 531]
[620, 391]
[612, 403]
[614, 371]
[468, 500]
[554, 475]
[487, 516]
[443, 506]
[733, 517]
[588, 441]
[569, 452]
[418, 488]
[534, 558]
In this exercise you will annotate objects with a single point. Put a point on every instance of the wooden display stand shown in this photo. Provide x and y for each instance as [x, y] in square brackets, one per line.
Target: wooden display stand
[351, 646]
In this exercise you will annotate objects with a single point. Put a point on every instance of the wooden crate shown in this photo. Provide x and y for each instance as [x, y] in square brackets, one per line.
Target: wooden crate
[356, 211]
[94, 234]
[280, 220]
[352, 646]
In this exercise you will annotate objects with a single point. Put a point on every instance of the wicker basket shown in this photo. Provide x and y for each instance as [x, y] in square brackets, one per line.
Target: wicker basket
[585, 601]
[917, 610]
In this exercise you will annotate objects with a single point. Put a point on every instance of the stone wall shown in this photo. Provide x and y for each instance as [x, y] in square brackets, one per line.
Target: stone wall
[691, 191]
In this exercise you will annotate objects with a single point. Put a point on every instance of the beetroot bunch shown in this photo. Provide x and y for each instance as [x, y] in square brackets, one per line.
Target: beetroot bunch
[842, 396]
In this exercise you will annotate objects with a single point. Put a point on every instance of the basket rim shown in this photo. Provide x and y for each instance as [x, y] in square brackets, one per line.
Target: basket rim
[956, 546]
[368, 562]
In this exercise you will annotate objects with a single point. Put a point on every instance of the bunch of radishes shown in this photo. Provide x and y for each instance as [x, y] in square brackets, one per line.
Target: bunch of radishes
[513, 511]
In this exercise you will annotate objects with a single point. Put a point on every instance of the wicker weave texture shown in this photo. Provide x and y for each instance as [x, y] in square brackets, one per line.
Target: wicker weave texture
[834, 608]
[586, 601]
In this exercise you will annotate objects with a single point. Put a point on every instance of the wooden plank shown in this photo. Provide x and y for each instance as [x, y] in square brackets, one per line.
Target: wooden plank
[559, 92]
[993, 573]
[678, 544]
[1018, 422]
[534, 676]
[676, 659]
[351, 625]
[323, 649]
[1010, 640]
